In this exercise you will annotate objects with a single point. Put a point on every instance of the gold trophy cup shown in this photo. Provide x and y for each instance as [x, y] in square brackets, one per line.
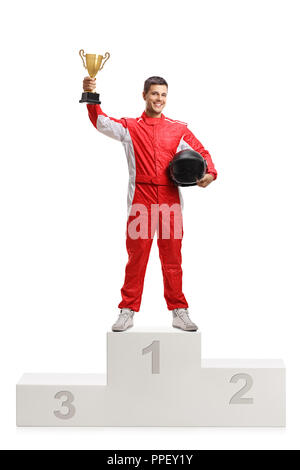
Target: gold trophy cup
[93, 63]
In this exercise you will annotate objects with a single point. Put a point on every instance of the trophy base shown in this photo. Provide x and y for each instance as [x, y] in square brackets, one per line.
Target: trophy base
[90, 98]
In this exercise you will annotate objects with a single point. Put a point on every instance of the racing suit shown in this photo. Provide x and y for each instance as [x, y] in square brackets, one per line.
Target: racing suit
[150, 144]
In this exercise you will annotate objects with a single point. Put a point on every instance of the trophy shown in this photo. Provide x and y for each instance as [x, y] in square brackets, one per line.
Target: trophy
[93, 63]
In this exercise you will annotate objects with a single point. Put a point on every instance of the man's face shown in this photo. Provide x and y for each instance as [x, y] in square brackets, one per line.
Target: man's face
[156, 99]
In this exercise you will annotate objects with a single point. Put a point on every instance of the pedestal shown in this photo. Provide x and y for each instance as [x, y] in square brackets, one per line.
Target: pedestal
[157, 378]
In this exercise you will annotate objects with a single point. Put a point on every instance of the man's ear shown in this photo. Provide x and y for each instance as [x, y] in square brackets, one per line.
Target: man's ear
[144, 96]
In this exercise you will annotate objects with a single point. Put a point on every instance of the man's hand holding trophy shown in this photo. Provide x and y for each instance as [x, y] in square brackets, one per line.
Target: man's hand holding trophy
[93, 63]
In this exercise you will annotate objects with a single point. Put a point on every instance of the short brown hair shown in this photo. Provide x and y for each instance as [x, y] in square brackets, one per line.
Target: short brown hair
[154, 81]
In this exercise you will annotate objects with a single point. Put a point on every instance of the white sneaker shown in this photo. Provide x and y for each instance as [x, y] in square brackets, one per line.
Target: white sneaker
[124, 321]
[182, 320]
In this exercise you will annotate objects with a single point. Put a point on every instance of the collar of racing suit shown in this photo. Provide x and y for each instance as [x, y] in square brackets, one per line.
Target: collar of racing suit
[152, 121]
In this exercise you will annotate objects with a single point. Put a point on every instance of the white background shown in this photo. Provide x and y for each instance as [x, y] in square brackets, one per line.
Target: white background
[233, 73]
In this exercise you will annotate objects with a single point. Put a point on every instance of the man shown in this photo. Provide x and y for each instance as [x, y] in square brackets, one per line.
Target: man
[150, 143]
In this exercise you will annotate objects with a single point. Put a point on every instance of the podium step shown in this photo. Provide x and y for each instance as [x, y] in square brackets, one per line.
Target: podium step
[135, 358]
[157, 378]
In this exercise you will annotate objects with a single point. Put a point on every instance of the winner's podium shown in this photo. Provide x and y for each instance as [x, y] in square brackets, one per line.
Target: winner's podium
[157, 378]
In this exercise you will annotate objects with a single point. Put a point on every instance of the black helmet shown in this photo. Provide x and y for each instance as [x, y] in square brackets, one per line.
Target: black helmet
[186, 167]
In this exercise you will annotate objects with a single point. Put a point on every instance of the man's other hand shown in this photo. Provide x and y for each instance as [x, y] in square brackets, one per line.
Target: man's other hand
[89, 84]
[205, 181]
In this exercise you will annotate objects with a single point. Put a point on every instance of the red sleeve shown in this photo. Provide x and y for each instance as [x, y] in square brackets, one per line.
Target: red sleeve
[193, 142]
[115, 128]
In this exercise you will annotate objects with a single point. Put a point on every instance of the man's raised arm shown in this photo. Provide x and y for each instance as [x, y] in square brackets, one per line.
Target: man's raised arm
[114, 128]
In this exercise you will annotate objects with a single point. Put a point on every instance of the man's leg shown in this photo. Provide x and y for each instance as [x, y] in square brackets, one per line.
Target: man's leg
[169, 244]
[138, 255]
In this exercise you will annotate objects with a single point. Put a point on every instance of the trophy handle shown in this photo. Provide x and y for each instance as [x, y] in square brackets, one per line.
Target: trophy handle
[82, 55]
[106, 57]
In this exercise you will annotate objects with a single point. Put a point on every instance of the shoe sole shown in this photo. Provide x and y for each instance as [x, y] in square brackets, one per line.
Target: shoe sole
[120, 331]
[195, 329]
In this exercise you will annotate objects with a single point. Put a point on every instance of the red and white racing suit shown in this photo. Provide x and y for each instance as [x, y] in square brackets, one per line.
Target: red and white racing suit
[150, 144]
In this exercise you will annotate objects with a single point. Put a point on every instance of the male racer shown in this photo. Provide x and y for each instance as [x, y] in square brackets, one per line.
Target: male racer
[150, 142]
